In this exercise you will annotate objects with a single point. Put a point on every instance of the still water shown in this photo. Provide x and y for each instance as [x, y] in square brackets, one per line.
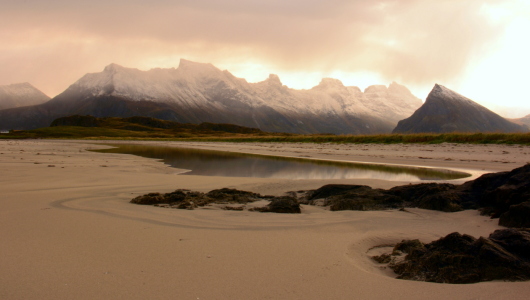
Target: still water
[228, 164]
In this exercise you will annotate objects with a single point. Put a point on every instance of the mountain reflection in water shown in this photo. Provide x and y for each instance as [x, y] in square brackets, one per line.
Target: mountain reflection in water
[229, 164]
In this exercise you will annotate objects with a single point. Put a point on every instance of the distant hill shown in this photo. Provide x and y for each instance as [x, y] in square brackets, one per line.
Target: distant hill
[198, 92]
[147, 124]
[447, 111]
[20, 94]
[522, 121]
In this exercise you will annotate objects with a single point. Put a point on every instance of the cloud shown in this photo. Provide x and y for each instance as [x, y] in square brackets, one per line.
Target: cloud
[417, 42]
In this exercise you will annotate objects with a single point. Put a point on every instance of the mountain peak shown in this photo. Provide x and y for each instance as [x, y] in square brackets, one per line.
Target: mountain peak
[376, 88]
[442, 93]
[445, 110]
[330, 83]
[20, 94]
[274, 79]
[113, 68]
[188, 64]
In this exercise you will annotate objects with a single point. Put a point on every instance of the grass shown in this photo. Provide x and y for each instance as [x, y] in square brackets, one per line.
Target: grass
[74, 132]
[141, 128]
[425, 138]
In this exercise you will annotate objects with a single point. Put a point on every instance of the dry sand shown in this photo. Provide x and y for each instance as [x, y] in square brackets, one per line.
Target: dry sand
[67, 230]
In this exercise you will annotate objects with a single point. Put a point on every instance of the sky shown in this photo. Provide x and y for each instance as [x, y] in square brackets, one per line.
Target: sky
[479, 49]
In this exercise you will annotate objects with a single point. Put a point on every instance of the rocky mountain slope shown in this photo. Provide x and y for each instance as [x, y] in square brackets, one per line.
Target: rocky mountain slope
[522, 121]
[197, 92]
[447, 111]
[20, 94]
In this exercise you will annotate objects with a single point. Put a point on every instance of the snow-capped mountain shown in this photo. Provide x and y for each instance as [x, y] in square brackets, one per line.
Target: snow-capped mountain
[20, 94]
[447, 111]
[198, 92]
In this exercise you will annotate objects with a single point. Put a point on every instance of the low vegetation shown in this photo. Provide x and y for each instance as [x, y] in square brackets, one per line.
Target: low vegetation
[87, 127]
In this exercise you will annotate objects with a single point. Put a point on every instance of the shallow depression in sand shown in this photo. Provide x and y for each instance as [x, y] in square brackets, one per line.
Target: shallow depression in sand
[229, 164]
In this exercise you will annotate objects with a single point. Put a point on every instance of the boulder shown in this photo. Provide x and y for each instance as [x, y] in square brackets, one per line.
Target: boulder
[496, 192]
[150, 199]
[433, 196]
[364, 198]
[458, 258]
[493, 193]
[284, 205]
[518, 215]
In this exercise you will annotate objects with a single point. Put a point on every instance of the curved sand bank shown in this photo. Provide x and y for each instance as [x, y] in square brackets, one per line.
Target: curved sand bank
[68, 231]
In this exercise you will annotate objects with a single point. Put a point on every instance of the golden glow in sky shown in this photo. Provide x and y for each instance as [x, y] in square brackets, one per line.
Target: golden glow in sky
[477, 48]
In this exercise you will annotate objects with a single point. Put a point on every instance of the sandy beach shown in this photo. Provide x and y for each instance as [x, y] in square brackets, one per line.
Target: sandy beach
[68, 231]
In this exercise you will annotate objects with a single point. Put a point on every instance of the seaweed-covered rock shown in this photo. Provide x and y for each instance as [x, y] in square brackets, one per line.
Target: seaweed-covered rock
[518, 215]
[433, 196]
[329, 190]
[493, 193]
[407, 246]
[150, 199]
[458, 258]
[496, 192]
[364, 198]
[186, 199]
[233, 196]
[176, 196]
[284, 205]
[516, 241]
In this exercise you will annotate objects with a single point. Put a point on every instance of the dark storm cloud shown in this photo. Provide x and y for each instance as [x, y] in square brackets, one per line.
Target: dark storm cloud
[410, 41]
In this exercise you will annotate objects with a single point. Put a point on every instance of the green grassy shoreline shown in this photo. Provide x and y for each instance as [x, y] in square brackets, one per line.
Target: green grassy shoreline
[89, 133]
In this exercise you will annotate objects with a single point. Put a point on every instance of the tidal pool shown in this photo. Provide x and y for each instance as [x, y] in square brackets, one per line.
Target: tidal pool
[229, 164]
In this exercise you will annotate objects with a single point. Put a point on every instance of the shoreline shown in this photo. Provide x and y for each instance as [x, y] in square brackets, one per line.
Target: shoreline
[69, 232]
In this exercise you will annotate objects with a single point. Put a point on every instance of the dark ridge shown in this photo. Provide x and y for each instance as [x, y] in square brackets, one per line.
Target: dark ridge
[139, 123]
[446, 111]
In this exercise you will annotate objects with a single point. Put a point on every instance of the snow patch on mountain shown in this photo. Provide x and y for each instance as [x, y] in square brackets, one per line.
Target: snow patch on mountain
[199, 85]
[441, 92]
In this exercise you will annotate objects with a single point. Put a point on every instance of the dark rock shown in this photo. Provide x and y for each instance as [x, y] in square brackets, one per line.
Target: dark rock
[233, 196]
[516, 241]
[518, 215]
[284, 205]
[433, 196]
[238, 208]
[407, 246]
[176, 196]
[458, 258]
[493, 193]
[332, 190]
[364, 198]
[149, 199]
[383, 258]
[496, 192]
[186, 199]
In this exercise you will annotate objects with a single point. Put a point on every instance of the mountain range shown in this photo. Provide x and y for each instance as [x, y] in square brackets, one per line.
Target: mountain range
[199, 92]
[447, 111]
[20, 94]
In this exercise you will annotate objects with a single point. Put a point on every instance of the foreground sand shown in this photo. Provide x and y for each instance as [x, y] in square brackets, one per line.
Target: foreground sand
[67, 230]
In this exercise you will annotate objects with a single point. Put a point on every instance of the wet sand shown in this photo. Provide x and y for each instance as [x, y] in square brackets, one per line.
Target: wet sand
[68, 231]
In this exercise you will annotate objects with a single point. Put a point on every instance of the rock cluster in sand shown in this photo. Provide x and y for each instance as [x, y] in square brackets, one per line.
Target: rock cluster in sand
[230, 199]
[503, 194]
[457, 258]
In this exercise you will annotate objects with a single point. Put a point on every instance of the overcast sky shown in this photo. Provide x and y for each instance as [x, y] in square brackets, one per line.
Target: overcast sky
[477, 48]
